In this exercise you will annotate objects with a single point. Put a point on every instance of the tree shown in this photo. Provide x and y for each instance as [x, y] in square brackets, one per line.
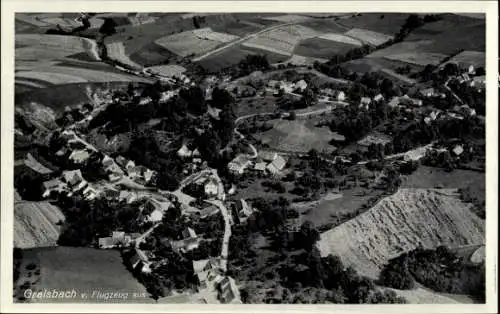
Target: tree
[108, 27]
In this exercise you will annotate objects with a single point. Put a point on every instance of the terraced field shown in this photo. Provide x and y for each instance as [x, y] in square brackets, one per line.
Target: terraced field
[35, 224]
[400, 223]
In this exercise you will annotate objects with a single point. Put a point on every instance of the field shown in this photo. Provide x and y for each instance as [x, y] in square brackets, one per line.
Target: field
[386, 23]
[282, 40]
[296, 136]
[235, 54]
[299, 60]
[476, 58]
[116, 51]
[341, 39]
[369, 37]
[289, 18]
[322, 48]
[429, 177]
[399, 223]
[194, 42]
[414, 52]
[35, 224]
[41, 47]
[374, 138]
[87, 270]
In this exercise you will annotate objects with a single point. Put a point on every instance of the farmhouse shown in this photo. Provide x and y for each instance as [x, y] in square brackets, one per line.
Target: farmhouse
[118, 238]
[267, 155]
[244, 210]
[74, 178]
[239, 164]
[365, 102]
[139, 261]
[458, 150]
[184, 151]
[122, 161]
[208, 211]
[214, 112]
[54, 185]
[478, 82]
[260, 166]
[301, 85]
[156, 215]
[127, 196]
[90, 193]
[339, 96]
[228, 291]
[202, 268]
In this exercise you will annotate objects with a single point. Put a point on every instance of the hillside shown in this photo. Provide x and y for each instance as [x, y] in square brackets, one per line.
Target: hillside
[35, 224]
[400, 223]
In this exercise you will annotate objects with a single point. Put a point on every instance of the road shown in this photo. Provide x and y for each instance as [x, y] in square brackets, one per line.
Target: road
[239, 41]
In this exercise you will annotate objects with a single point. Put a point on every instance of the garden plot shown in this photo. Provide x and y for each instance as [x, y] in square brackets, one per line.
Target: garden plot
[195, 41]
[282, 40]
[367, 36]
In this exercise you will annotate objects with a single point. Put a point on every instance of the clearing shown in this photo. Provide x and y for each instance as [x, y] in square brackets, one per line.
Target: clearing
[298, 136]
[400, 223]
[35, 224]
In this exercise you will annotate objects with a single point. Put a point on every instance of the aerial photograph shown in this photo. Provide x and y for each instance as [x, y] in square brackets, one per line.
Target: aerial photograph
[249, 158]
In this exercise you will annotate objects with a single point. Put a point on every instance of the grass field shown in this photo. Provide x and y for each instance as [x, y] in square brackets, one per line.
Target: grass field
[429, 177]
[88, 271]
[412, 52]
[167, 70]
[476, 58]
[400, 223]
[322, 48]
[296, 136]
[194, 42]
[289, 18]
[389, 24]
[233, 55]
[368, 36]
[328, 25]
[35, 224]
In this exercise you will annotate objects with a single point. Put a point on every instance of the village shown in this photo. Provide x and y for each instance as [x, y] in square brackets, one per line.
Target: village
[131, 183]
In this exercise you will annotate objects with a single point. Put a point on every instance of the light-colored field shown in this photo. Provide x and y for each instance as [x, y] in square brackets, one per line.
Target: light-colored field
[424, 296]
[303, 61]
[50, 77]
[40, 47]
[35, 224]
[419, 58]
[341, 38]
[90, 271]
[289, 18]
[400, 223]
[479, 255]
[468, 57]
[367, 36]
[195, 41]
[167, 70]
[282, 40]
[64, 22]
[297, 136]
[116, 51]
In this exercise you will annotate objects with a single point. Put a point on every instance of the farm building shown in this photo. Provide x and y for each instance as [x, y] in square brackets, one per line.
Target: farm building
[202, 268]
[118, 238]
[113, 177]
[55, 185]
[189, 233]
[184, 151]
[208, 211]
[121, 161]
[365, 102]
[478, 82]
[458, 150]
[211, 188]
[127, 196]
[90, 193]
[260, 166]
[301, 85]
[214, 112]
[276, 165]
[339, 95]
[74, 178]
[244, 210]
[393, 102]
[156, 215]
[239, 164]
[378, 97]
[228, 291]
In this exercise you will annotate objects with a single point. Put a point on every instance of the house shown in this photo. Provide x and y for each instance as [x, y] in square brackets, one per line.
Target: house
[121, 161]
[408, 101]
[339, 95]
[189, 233]
[205, 270]
[156, 215]
[365, 101]
[393, 102]
[260, 166]
[139, 261]
[378, 97]
[145, 100]
[130, 168]
[74, 178]
[62, 152]
[239, 164]
[244, 210]
[276, 165]
[127, 196]
[228, 291]
[54, 185]
[79, 156]
[458, 150]
[267, 156]
[214, 112]
[68, 135]
[118, 238]
[211, 188]
[301, 85]
[478, 82]
[184, 151]
[90, 193]
[427, 92]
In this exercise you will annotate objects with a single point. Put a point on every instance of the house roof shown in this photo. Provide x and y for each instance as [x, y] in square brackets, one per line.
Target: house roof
[260, 166]
[107, 241]
[279, 162]
[267, 155]
[365, 100]
[208, 211]
[189, 233]
[156, 215]
[79, 155]
[239, 161]
[184, 151]
[72, 176]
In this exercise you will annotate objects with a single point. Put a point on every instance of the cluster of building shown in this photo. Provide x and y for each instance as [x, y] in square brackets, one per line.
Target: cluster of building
[277, 87]
[267, 162]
